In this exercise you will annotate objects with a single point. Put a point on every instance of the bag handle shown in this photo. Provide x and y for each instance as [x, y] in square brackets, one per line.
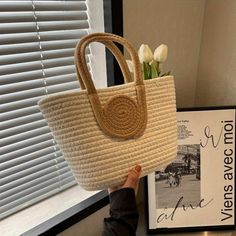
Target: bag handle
[121, 116]
[119, 57]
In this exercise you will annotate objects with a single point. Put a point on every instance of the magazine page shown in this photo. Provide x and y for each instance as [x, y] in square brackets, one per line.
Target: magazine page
[197, 188]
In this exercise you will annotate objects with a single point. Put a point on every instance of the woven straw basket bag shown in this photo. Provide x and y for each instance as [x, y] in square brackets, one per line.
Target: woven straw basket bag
[103, 133]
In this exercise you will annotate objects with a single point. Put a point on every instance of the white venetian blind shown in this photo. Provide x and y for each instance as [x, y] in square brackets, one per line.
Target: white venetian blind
[37, 40]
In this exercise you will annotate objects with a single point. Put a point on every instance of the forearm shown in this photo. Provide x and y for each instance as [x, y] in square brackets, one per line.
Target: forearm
[123, 218]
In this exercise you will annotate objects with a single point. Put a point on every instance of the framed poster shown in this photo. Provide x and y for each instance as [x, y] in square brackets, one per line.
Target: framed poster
[197, 190]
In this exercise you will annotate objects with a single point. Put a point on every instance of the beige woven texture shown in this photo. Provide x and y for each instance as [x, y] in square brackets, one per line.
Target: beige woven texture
[99, 160]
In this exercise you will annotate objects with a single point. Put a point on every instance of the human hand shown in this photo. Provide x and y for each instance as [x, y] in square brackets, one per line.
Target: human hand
[132, 180]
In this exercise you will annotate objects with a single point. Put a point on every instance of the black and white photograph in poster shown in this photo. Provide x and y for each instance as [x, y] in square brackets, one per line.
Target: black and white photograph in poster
[196, 190]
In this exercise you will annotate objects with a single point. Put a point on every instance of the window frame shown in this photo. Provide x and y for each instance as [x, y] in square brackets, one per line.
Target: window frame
[71, 216]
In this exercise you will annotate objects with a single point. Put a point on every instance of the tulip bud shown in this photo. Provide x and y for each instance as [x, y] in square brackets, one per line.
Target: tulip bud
[145, 54]
[130, 66]
[160, 54]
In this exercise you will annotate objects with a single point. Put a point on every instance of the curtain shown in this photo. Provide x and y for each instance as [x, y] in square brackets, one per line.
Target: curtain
[37, 40]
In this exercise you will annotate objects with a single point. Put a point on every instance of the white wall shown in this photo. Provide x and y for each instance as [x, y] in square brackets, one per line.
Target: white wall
[175, 23]
[216, 83]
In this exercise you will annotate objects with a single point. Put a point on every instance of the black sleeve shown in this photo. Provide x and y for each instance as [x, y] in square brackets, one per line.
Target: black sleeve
[123, 218]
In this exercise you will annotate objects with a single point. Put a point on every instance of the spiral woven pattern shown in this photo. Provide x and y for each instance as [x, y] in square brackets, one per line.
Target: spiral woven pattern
[99, 161]
[122, 114]
[110, 127]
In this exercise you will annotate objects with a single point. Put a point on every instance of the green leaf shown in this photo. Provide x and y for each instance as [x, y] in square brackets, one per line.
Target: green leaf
[154, 73]
[157, 67]
[165, 74]
[146, 71]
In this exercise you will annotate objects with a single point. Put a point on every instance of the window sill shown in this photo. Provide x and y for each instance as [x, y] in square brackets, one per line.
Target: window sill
[70, 206]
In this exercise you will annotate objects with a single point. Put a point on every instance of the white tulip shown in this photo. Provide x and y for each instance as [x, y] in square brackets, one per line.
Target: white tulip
[130, 65]
[145, 54]
[160, 54]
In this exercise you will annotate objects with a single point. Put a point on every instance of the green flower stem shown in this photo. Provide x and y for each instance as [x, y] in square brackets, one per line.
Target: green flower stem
[157, 67]
[146, 71]
[154, 73]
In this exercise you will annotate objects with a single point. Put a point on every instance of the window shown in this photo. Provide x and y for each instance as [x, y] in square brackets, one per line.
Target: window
[37, 43]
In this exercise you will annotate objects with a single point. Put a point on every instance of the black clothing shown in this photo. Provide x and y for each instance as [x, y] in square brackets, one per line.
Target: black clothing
[123, 218]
